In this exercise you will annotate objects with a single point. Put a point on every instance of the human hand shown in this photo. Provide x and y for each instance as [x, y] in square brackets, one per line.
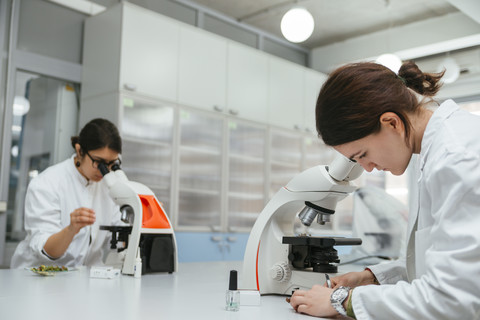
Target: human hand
[80, 218]
[353, 279]
[315, 302]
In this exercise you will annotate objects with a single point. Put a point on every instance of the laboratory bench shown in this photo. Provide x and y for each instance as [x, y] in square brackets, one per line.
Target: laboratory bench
[195, 291]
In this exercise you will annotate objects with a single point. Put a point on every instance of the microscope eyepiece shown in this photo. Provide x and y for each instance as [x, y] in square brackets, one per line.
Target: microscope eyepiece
[103, 168]
[116, 166]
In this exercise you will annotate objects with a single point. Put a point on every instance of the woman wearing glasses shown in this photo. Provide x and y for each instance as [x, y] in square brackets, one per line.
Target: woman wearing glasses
[67, 202]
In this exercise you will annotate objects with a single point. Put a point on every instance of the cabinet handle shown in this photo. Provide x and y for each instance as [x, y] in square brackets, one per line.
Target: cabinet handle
[232, 239]
[216, 238]
[218, 108]
[130, 86]
[308, 130]
[233, 112]
[297, 127]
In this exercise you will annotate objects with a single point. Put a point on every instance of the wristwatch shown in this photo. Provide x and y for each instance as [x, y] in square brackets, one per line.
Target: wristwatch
[338, 296]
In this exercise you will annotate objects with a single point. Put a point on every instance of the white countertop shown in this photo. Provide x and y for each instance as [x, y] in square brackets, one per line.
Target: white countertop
[196, 291]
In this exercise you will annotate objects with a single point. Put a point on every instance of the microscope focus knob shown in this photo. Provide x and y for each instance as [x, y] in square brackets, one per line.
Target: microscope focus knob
[280, 272]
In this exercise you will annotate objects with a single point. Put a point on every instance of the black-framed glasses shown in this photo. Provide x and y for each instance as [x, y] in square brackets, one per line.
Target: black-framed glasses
[109, 165]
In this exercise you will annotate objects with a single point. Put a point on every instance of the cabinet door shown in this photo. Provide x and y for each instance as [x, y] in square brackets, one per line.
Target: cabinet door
[200, 246]
[200, 171]
[313, 83]
[202, 69]
[316, 152]
[149, 54]
[147, 131]
[285, 94]
[246, 178]
[285, 158]
[235, 244]
[247, 85]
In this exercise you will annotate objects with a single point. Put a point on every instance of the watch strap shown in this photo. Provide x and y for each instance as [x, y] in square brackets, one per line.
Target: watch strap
[337, 302]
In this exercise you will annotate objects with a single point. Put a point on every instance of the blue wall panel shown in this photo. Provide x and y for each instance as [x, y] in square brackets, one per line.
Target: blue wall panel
[199, 246]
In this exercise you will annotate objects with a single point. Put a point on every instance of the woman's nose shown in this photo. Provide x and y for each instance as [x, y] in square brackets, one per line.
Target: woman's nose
[367, 165]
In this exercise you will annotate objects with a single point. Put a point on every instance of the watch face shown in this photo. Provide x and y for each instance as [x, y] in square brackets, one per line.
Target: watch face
[339, 294]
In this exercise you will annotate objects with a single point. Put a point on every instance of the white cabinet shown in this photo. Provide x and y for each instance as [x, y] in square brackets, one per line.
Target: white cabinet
[221, 172]
[149, 50]
[202, 69]
[246, 177]
[286, 149]
[292, 95]
[285, 94]
[247, 82]
[200, 161]
[313, 83]
[160, 81]
[129, 48]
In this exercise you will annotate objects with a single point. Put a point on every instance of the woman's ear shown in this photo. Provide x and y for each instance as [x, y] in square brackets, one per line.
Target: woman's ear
[391, 120]
[78, 150]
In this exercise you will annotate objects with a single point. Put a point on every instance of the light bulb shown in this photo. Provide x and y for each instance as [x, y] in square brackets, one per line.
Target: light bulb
[452, 70]
[297, 25]
[20, 106]
[391, 61]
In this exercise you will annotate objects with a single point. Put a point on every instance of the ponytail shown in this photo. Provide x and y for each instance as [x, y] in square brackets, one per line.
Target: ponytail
[426, 84]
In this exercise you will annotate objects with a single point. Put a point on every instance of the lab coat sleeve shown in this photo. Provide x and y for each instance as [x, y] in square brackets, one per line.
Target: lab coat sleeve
[42, 216]
[450, 283]
[391, 272]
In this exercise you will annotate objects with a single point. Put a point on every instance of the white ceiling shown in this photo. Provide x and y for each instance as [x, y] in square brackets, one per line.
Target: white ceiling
[335, 20]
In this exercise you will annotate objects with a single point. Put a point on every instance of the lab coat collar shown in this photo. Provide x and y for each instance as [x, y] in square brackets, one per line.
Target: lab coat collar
[76, 173]
[439, 115]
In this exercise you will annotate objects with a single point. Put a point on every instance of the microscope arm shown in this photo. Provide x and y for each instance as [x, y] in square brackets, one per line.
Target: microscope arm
[318, 190]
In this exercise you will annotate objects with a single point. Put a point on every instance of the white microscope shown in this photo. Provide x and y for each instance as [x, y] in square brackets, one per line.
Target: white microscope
[150, 236]
[278, 262]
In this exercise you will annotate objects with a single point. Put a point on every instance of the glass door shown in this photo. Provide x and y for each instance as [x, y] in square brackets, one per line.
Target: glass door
[246, 176]
[285, 158]
[316, 152]
[44, 117]
[200, 171]
[147, 134]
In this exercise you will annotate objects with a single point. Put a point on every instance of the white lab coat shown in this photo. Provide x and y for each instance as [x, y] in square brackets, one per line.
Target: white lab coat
[51, 197]
[440, 276]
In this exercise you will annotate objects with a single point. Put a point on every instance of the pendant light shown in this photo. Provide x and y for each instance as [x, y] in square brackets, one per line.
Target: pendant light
[297, 25]
[452, 70]
[390, 60]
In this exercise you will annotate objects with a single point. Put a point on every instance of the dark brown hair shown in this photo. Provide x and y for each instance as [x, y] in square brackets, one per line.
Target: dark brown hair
[96, 134]
[354, 97]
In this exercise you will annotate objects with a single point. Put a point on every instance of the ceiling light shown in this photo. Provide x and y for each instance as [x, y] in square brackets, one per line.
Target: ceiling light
[21, 106]
[452, 70]
[14, 151]
[391, 61]
[297, 25]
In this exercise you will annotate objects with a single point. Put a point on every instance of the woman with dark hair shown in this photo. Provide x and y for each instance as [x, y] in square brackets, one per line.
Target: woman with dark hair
[379, 119]
[67, 202]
